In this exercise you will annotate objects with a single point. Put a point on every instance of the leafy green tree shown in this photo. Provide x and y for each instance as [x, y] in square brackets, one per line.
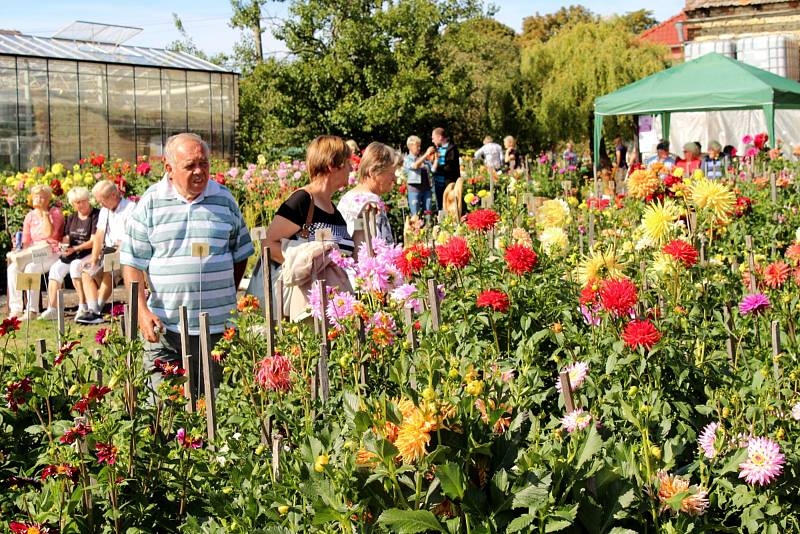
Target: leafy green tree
[540, 28]
[579, 64]
[639, 20]
[187, 45]
[247, 16]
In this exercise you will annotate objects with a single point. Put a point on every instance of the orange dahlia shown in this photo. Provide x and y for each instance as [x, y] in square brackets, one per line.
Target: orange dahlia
[775, 274]
[642, 183]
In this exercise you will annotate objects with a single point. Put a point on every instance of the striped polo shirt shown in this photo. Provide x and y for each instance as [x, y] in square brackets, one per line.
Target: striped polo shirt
[160, 234]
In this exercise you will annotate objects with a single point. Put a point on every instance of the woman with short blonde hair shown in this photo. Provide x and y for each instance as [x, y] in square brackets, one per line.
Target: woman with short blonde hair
[376, 177]
[42, 229]
[311, 207]
[510, 156]
[76, 247]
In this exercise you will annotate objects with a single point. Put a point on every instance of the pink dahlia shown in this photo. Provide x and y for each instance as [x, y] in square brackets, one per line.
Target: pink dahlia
[577, 374]
[764, 462]
[755, 303]
[576, 420]
[273, 373]
[708, 439]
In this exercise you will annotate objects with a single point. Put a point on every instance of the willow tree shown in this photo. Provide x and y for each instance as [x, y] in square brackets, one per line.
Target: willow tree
[579, 64]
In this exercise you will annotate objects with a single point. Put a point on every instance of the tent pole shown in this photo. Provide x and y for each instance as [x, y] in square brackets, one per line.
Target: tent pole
[769, 116]
[665, 117]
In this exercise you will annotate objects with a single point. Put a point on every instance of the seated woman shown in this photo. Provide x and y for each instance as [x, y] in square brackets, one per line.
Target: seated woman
[43, 227]
[311, 208]
[376, 177]
[76, 247]
[715, 164]
[691, 159]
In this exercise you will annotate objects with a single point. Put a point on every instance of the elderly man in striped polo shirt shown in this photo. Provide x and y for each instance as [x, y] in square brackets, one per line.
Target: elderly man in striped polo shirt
[181, 209]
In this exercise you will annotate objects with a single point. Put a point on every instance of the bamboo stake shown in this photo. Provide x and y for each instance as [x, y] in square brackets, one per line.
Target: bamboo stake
[205, 351]
[186, 357]
[751, 262]
[433, 302]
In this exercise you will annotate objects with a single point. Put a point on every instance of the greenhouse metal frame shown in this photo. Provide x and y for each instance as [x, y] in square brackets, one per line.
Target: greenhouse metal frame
[62, 99]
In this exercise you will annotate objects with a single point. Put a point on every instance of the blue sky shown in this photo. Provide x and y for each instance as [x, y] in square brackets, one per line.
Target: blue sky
[207, 20]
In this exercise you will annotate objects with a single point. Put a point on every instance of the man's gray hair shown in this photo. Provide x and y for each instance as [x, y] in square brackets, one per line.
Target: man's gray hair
[413, 140]
[76, 194]
[175, 140]
[104, 188]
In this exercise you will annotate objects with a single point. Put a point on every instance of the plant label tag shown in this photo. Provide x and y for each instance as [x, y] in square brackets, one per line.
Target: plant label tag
[39, 254]
[200, 250]
[323, 234]
[259, 233]
[29, 281]
[358, 225]
[111, 262]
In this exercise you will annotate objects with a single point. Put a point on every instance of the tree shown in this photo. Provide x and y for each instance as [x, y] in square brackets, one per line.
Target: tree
[541, 28]
[579, 64]
[638, 21]
[247, 16]
[186, 44]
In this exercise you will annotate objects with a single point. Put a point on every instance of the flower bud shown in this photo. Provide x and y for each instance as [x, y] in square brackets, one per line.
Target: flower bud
[283, 509]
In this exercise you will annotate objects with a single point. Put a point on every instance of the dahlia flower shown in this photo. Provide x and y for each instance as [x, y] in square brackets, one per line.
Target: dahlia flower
[520, 259]
[708, 439]
[713, 196]
[618, 297]
[491, 298]
[682, 251]
[658, 220]
[600, 266]
[641, 334]
[554, 212]
[669, 486]
[482, 220]
[576, 420]
[776, 274]
[642, 183]
[755, 303]
[454, 253]
[273, 373]
[554, 241]
[764, 462]
[577, 375]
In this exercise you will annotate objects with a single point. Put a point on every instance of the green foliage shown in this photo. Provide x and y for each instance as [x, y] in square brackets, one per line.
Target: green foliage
[541, 28]
[579, 64]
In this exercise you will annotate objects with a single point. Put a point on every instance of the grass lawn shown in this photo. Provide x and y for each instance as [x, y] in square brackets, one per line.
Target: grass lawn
[35, 329]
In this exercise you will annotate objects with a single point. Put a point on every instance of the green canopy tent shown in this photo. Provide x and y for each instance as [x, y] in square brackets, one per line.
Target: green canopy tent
[712, 82]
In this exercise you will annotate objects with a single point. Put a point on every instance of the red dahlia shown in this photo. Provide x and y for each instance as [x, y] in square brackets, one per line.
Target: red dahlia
[412, 260]
[775, 274]
[106, 453]
[618, 296]
[454, 253]
[520, 259]
[482, 220]
[641, 334]
[589, 293]
[681, 251]
[496, 300]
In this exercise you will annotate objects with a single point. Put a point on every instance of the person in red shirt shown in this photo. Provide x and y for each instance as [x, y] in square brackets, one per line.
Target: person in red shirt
[690, 161]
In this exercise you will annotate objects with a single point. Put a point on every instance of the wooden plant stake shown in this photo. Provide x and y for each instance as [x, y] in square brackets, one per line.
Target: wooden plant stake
[205, 351]
[775, 329]
[566, 392]
[131, 333]
[591, 230]
[751, 262]
[41, 348]
[580, 241]
[730, 343]
[773, 188]
[408, 318]
[279, 304]
[702, 251]
[98, 354]
[277, 445]
[60, 319]
[186, 358]
[434, 304]
[322, 366]
[269, 307]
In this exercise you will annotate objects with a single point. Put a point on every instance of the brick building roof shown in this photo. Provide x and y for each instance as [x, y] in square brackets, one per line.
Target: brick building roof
[701, 4]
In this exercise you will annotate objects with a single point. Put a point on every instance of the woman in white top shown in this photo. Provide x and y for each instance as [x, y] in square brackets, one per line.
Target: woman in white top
[376, 177]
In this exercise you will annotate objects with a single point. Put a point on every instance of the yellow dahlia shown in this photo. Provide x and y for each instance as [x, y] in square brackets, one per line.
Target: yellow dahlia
[413, 437]
[713, 196]
[600, 266]
[642, 183]
[554, 241]
[554, 212]
[658, 219]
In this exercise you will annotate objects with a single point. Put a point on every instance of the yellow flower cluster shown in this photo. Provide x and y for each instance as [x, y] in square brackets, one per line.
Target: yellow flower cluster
[554, 241]
[554, 212]
[713, 196]
[600, 265]
[658, 220]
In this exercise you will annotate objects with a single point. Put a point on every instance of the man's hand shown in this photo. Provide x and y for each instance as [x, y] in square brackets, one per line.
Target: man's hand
[148, 323]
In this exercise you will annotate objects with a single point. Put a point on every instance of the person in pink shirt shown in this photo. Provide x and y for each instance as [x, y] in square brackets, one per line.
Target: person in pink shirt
[42, 225]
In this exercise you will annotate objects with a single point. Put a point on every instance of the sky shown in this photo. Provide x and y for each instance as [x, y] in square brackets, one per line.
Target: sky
[207, 20]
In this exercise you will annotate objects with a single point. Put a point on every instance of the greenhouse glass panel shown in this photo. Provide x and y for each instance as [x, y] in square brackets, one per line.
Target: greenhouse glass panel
[34, 114]
[173, 86]
[199, 103]
[149, 136]
[9, 142]
[64, 133]
[121, 112]
[93, 108]
[227, 113]
[216, 115]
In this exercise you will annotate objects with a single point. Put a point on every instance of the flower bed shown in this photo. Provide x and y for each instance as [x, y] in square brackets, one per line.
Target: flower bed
[447, 409]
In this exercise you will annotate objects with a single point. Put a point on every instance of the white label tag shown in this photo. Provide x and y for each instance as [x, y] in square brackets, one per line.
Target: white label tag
[29, 281]
[259, 233]
[200, 250]
[111, 262]
[39, 254]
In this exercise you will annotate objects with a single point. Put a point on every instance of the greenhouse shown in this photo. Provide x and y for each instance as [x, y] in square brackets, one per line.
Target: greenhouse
[83, 91]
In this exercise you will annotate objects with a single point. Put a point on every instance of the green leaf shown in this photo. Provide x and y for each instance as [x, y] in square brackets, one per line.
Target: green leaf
[533, 496]
[554, 525]
[590, 447]
[409, 521]
[520, 523]
[453, 480]
[734, 461]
